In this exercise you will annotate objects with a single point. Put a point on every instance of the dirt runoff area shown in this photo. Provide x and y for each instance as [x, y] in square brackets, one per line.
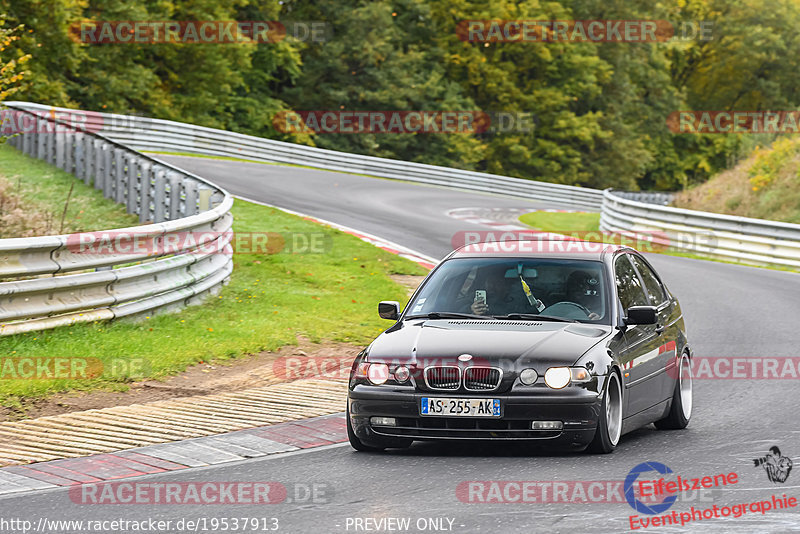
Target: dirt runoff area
[262, 369]
[288, 363]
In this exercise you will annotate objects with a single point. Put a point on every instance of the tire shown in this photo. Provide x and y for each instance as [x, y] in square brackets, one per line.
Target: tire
[682, 398]
[609, 424]
[363, 446]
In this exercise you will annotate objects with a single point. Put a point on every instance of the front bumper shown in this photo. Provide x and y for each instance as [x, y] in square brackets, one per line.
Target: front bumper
[577, 408]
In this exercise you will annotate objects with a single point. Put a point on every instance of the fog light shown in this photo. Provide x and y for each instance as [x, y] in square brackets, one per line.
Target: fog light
[401, 374]
[383, 421]
[547, 425]
[528, 376]
[378, 373]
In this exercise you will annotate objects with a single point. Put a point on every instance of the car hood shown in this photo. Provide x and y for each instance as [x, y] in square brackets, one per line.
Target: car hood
[430, 342]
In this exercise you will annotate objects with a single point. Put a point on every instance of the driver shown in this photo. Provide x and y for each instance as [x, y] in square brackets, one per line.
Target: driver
[583, 289]
[500, 294]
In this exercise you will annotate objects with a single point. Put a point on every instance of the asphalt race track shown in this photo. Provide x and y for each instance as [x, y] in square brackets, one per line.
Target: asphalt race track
[731, 311]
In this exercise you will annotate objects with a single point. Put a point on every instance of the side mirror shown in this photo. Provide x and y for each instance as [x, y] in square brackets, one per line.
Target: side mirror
[389, 309]
[640, 315]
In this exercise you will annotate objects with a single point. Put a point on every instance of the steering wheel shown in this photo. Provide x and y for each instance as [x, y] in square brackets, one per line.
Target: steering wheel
[581, 307]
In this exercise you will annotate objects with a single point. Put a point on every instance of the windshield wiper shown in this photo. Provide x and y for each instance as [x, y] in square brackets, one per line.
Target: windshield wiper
[534, 317]
[448, 315]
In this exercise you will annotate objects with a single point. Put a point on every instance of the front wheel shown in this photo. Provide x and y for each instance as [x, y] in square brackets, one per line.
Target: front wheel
[609, 425]
[681, 410]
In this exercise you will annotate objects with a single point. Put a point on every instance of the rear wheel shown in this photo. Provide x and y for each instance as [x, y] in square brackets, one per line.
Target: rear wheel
[609, 425]
[681, 410]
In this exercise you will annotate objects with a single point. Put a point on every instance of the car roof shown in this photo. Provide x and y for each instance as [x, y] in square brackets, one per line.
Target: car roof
[547, 247]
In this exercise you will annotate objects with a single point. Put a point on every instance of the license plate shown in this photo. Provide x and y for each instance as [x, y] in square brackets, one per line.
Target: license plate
[450, 407]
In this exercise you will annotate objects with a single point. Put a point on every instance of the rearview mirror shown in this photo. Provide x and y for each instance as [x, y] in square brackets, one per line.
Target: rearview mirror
[389, 309]
[640, 315]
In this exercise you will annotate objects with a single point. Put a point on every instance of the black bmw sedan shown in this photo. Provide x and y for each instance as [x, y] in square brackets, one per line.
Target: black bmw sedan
[565, 343]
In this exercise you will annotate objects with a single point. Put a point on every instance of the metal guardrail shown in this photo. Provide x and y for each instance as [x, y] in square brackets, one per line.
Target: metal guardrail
[648, 197]
[57, 280]
[157, 135]
[177, 201]
[756, 241]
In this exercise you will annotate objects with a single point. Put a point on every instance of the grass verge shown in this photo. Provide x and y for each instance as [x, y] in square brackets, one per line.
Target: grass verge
[33, 195]
[548, 221]
[271, 300]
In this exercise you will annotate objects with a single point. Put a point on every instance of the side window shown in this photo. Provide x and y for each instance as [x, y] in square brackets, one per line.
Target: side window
[654, 288]
[628, 285]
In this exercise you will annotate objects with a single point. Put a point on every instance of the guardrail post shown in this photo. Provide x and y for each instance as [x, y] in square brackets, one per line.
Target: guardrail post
[98, 164]
[88, 159]
[159, 196]
[132, 182]
[41, 138]
[190, 204]
[26, 143]
[120, 187]
[69, 151]
[77, 155]
[144, 192]
[108, 171]
[174, 195]
[204, 195]
[60, 144]
[50, 146]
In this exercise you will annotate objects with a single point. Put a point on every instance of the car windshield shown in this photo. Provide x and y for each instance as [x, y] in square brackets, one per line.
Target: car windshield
[524, 288]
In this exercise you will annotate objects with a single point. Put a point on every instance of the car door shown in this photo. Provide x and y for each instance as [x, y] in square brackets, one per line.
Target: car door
[643, 372]
[667, 324]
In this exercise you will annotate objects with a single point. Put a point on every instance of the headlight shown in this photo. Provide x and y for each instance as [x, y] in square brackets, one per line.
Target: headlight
[560, 377]
[528, 376]
[557, 377]
[378, 373]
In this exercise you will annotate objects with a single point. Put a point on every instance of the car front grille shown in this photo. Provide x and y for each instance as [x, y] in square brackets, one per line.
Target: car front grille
[474, 378]
[445, 377]
[481, 378]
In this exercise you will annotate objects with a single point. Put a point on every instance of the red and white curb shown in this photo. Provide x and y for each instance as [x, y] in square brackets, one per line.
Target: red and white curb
[197, 452]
